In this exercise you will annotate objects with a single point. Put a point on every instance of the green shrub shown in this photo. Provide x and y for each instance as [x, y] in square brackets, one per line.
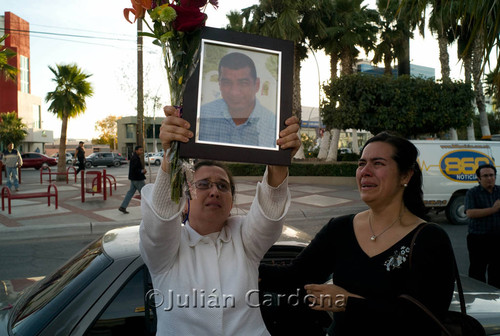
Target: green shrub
[299, 169]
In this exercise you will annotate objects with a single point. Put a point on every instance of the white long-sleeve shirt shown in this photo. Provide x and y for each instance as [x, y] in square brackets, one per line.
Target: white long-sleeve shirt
[207, 285]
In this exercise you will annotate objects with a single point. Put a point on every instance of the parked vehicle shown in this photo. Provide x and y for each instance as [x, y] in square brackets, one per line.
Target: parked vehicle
[37, 160]
[448, 169]
[69, 157]
[101, 291]
[108, 159]
[155, 158]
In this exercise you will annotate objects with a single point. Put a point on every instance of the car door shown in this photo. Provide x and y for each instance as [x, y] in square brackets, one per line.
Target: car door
[127, 313]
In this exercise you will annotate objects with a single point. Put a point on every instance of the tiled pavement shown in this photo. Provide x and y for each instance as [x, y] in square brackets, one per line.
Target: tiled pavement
[32, 217]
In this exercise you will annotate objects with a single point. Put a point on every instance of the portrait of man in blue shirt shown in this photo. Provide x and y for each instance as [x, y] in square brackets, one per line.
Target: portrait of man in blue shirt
[238, 117]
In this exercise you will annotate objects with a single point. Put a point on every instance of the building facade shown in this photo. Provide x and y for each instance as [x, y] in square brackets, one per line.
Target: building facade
[16, 96]
[127, 135]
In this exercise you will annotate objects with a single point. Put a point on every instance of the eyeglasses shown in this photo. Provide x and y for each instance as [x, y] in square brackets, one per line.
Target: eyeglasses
[488, 175]
[205, 184]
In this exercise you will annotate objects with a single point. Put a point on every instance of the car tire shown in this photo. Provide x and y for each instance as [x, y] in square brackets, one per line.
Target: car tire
[157, 162]
[88, 164]
[44, 165]
[117, 164]
[69, 161]
[455, 211]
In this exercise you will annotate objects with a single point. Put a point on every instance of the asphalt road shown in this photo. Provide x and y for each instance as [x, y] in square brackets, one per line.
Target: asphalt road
[27, 258]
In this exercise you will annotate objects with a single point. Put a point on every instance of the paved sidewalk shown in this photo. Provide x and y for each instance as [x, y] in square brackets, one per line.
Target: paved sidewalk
[32, 218]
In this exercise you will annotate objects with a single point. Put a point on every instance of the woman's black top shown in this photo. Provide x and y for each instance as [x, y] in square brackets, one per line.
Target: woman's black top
[380, 279]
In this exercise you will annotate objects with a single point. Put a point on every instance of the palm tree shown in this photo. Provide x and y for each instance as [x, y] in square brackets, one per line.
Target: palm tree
[390, 37]
[12, 129]
[465, 55]
[68, 100]
[349, 25]
[442, 22]
[284, 19]
[7, 71]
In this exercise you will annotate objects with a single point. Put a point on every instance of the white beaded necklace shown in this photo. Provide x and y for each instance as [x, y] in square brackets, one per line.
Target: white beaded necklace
[375, 236]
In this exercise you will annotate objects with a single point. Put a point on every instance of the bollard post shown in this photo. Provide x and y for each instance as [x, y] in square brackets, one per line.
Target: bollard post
[82, 179]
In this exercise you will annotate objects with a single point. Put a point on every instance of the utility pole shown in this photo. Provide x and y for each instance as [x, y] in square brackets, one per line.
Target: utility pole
[140, 91]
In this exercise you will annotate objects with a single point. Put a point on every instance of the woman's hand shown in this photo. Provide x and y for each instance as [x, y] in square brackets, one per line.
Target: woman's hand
[173, 128]
[328, 297]
[289, 138]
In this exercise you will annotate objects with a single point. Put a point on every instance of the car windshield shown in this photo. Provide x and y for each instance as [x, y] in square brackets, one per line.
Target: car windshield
[50, 295]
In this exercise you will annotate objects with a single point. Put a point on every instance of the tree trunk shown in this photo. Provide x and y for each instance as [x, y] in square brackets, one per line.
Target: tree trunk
[404, 57]
[324, 144]
[296, 100]
[444, 59]
[61, 161]
[355, 146]
[468, 79]
[346, 62]
[334, 145]
[334, 61]
[477, 61]
[388, 64]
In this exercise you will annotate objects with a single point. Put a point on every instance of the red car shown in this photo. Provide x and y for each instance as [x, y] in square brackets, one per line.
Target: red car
[36, 160]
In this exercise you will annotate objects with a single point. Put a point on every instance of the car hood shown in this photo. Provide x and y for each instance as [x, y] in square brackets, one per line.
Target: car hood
[482, 301]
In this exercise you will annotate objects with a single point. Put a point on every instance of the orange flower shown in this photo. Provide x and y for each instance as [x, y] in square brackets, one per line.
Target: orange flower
[139, 9]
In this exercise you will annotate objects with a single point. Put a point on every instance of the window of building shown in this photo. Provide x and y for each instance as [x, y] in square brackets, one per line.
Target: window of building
[37, 117]
[130, 131]
[25, 74]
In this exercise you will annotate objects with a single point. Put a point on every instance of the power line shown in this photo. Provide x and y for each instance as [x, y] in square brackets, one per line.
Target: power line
[79, 29]
[7, 30]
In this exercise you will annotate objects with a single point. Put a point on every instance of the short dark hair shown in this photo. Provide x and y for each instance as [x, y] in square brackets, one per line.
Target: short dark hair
[137, 147]
[405, 155]
[478, 170]
[81, 142]
[209, 163]
[236, 61]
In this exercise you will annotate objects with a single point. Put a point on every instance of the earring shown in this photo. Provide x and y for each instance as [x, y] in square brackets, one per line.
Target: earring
[405, 185]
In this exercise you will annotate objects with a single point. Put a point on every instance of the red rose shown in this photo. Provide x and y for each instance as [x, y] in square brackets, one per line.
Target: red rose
[188, 18]
[193, 3]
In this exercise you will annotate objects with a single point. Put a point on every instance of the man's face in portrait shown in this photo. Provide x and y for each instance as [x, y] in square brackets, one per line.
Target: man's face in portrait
[238, 90]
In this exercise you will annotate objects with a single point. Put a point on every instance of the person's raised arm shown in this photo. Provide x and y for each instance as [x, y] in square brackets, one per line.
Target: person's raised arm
[288, 138]
[173, 128]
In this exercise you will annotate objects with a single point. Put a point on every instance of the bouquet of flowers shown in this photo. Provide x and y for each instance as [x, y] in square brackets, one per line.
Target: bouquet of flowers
[177, 29]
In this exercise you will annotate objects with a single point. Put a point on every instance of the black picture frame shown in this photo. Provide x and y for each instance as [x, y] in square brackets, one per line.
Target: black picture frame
[276, 55]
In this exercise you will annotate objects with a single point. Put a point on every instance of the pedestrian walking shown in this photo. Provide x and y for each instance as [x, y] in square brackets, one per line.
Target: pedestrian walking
[12, 160]
[136, 176]
[80, 156]
[482, 206]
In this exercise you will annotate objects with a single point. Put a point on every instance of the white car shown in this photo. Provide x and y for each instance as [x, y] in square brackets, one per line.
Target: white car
[69, 157]
[154, 158]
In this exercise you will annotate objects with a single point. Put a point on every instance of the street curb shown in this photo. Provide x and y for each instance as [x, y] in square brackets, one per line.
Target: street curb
[50, 231]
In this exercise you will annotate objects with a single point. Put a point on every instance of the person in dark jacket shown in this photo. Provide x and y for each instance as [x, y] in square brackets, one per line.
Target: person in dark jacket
[80, 157]
[136, 176]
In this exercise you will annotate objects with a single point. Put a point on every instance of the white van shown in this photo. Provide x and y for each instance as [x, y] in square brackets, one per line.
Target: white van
[448, 169]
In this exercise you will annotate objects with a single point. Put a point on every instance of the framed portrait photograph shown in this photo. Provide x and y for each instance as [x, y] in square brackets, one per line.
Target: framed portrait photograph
[238, 98]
